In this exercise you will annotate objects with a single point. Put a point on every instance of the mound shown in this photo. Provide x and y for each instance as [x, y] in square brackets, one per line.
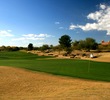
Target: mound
[20, 84]
[102, 57]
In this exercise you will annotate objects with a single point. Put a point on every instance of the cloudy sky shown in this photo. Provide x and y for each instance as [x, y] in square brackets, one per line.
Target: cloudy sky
[45, 21]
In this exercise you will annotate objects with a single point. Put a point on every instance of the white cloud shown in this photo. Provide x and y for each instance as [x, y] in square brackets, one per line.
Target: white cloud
[57, 23]
[61, 27]
[43, 35]
[102, 6]
[29, 35]
[95, 16]
[36, 35]
[101, 18]
[23, 38]
[18, 39]
[89, 27]
[9, 30]
[72, 27]
[32, 37]
[6, 33]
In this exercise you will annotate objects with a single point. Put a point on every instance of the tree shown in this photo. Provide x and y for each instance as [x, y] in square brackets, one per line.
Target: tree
[65, 42]
[51, 46]
[44, 47]
[30, 46]
[87, 44]
[82, 44]
[75, 45]
[90, 44]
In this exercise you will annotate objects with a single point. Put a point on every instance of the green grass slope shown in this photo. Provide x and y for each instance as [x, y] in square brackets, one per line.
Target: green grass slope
[66, 67]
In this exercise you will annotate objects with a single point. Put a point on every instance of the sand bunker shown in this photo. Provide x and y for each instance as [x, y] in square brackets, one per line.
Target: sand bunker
[20, 84]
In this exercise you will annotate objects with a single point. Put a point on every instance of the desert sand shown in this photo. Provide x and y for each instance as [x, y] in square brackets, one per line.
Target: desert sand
[102, 57]
[21, 84]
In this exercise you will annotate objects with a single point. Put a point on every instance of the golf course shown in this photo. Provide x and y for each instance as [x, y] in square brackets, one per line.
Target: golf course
[29, 77]
[55, 50]
[77, 68]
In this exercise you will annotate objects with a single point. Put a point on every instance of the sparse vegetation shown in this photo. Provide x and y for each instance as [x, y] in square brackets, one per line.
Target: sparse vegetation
[65, 44]
[87, 44]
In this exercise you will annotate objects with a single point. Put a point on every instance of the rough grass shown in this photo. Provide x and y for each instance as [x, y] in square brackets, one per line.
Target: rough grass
[66, 67]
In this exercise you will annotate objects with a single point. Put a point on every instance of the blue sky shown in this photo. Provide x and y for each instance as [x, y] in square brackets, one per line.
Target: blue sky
[45, 21]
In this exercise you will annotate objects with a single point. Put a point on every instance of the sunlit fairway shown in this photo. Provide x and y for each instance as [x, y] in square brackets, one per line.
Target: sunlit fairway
[66, 67]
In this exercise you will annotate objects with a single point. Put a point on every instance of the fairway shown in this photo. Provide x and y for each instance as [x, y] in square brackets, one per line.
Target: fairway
[66, 67]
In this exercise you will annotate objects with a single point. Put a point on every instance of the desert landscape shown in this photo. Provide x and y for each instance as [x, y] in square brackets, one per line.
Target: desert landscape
[103, 57]
[54, 49]
[21, 84]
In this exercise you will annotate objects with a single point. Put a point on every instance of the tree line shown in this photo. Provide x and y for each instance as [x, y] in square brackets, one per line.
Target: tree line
[65, 43]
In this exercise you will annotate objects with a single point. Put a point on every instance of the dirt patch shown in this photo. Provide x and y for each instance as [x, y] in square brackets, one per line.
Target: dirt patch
[102, 57]
[20, 84]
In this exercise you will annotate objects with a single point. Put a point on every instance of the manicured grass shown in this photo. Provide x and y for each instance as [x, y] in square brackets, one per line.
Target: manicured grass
[19, 56]
[66, 67]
